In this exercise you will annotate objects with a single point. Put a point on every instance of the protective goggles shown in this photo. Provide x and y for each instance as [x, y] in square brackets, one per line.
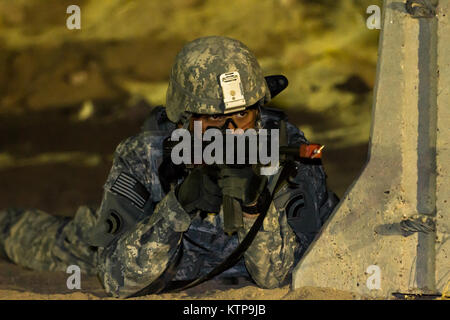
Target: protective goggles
[242, 119]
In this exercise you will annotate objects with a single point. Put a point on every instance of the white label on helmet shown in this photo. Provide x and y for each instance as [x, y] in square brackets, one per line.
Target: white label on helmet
[232, 92]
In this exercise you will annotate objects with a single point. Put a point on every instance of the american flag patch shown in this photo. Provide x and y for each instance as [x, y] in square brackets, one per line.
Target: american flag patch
[130, 188]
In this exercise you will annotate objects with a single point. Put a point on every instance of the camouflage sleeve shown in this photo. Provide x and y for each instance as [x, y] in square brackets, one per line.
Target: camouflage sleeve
[39, 241]
[295, 217]
[307, 201]
[270, 257]
[137, 256]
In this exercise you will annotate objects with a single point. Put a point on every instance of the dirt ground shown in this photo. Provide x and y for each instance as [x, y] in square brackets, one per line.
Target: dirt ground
[50, 161]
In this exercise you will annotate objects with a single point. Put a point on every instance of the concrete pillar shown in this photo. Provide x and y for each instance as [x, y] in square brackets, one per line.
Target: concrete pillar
[382, 237]
[443, 149]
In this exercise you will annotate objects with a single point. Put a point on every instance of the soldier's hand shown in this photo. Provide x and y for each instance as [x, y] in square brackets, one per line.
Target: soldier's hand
[199, 192]
[243, 184]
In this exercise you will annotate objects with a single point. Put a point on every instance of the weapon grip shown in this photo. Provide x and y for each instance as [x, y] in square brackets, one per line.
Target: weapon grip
[232, 214]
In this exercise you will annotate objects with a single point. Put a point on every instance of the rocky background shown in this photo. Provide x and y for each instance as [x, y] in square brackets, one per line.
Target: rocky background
[68, 97]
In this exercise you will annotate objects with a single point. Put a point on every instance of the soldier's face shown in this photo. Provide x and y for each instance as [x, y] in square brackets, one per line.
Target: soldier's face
[242, 120]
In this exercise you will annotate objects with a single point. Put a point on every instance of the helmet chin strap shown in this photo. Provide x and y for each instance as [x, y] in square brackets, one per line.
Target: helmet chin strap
[258, 121]
[185, 120]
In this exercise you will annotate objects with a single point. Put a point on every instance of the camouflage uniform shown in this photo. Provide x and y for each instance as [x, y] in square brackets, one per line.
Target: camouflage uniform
[137, 257]
[155, 227]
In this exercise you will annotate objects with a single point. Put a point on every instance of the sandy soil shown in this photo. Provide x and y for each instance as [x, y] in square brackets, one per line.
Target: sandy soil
[59, 188]
[19, 283]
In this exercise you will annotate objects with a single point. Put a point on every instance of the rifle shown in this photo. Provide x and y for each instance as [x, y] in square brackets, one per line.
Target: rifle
[308, 153]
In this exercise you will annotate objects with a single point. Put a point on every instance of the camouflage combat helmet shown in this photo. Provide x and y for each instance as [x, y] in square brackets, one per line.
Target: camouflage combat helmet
[214, 75]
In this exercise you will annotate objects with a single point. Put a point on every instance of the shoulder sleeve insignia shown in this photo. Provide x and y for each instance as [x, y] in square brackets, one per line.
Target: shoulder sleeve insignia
[130, 188]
